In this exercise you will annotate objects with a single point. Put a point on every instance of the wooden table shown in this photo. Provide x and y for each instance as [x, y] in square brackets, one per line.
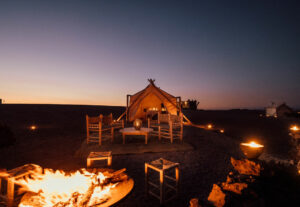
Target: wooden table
[132, 131]
[99, 156]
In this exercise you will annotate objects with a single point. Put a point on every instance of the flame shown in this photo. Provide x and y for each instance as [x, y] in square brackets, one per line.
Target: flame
[294, 128]
[56, 187]
[252, 144]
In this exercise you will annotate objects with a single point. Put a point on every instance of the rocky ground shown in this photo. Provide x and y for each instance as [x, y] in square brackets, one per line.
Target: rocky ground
[61, 130]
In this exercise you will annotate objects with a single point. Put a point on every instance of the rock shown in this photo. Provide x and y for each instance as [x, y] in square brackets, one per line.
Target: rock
[234, 187]
[216, 196]
[194, 202]
[270, 158]
[246, 167]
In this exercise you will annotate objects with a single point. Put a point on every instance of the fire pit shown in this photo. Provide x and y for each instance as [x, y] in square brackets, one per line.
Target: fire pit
[99, 187]
[252, 150]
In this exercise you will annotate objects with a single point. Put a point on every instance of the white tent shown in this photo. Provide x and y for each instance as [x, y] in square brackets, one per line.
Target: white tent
[271, 111]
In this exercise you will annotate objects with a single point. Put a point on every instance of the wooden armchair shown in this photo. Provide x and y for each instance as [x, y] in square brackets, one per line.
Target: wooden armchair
[176, 123]
[117, 124]
[99, 128]
[167, 126]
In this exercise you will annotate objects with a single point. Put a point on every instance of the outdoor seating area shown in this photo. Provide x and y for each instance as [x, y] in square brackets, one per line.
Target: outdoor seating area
[101, 128]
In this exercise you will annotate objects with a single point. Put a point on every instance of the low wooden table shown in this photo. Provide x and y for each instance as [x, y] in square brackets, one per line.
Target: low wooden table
[132, 131]
[99, 156]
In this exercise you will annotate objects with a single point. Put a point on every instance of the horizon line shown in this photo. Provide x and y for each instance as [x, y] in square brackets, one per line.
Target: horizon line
[234, 108]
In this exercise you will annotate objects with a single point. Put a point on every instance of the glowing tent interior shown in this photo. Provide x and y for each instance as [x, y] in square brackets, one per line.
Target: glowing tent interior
[151, 100]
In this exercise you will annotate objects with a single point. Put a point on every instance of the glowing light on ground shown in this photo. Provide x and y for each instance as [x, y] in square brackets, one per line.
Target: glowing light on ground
[294, 128]
[33, 127]
[252, 144]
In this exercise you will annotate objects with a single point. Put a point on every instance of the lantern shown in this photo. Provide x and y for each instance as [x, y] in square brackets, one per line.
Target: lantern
[294, 128]
[209, 126]
[33, 127]
[252, 150]
[137, 124]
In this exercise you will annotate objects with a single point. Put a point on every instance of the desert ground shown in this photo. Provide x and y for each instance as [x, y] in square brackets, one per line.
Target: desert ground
[61, 131]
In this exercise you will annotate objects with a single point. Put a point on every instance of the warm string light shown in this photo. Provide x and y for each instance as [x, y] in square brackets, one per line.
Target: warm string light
[209, 126]
[33, 127]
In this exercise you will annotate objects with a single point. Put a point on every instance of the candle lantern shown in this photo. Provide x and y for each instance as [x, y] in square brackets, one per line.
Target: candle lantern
[137, 124]
[294, 128]
[252, 150]
[295, 132]
[32, 127]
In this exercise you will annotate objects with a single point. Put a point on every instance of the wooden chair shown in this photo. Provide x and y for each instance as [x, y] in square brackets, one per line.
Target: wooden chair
[99, 128]
[177, 126]
[118, 124]
[167, 126]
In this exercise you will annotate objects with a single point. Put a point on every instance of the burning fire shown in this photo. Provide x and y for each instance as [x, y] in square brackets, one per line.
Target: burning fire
[57, 188]
[252, 144]
[294, 128]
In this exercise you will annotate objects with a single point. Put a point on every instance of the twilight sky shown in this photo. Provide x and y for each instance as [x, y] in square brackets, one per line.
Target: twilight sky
[225, 54]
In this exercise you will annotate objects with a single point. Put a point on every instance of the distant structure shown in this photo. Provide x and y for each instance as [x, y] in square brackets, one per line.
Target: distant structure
[271, 110]
[185, 105]
[284, 110]
[281, 111]
[190, 104]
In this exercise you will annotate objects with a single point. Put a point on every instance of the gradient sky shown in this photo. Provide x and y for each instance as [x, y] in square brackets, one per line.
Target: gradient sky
[225, 54]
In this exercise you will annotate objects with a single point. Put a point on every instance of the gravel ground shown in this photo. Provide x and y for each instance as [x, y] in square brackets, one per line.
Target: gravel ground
[61, 130]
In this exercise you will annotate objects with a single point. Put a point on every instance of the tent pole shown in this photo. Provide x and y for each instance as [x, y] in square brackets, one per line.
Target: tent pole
[127, 97]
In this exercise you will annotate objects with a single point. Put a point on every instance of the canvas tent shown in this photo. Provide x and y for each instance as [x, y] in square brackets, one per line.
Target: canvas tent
[284, 110]
[271, 110]
[151, 99]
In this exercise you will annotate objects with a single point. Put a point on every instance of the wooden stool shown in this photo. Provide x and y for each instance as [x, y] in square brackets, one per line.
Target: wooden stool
[99, 156]
[162, 166]
[12, 177]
